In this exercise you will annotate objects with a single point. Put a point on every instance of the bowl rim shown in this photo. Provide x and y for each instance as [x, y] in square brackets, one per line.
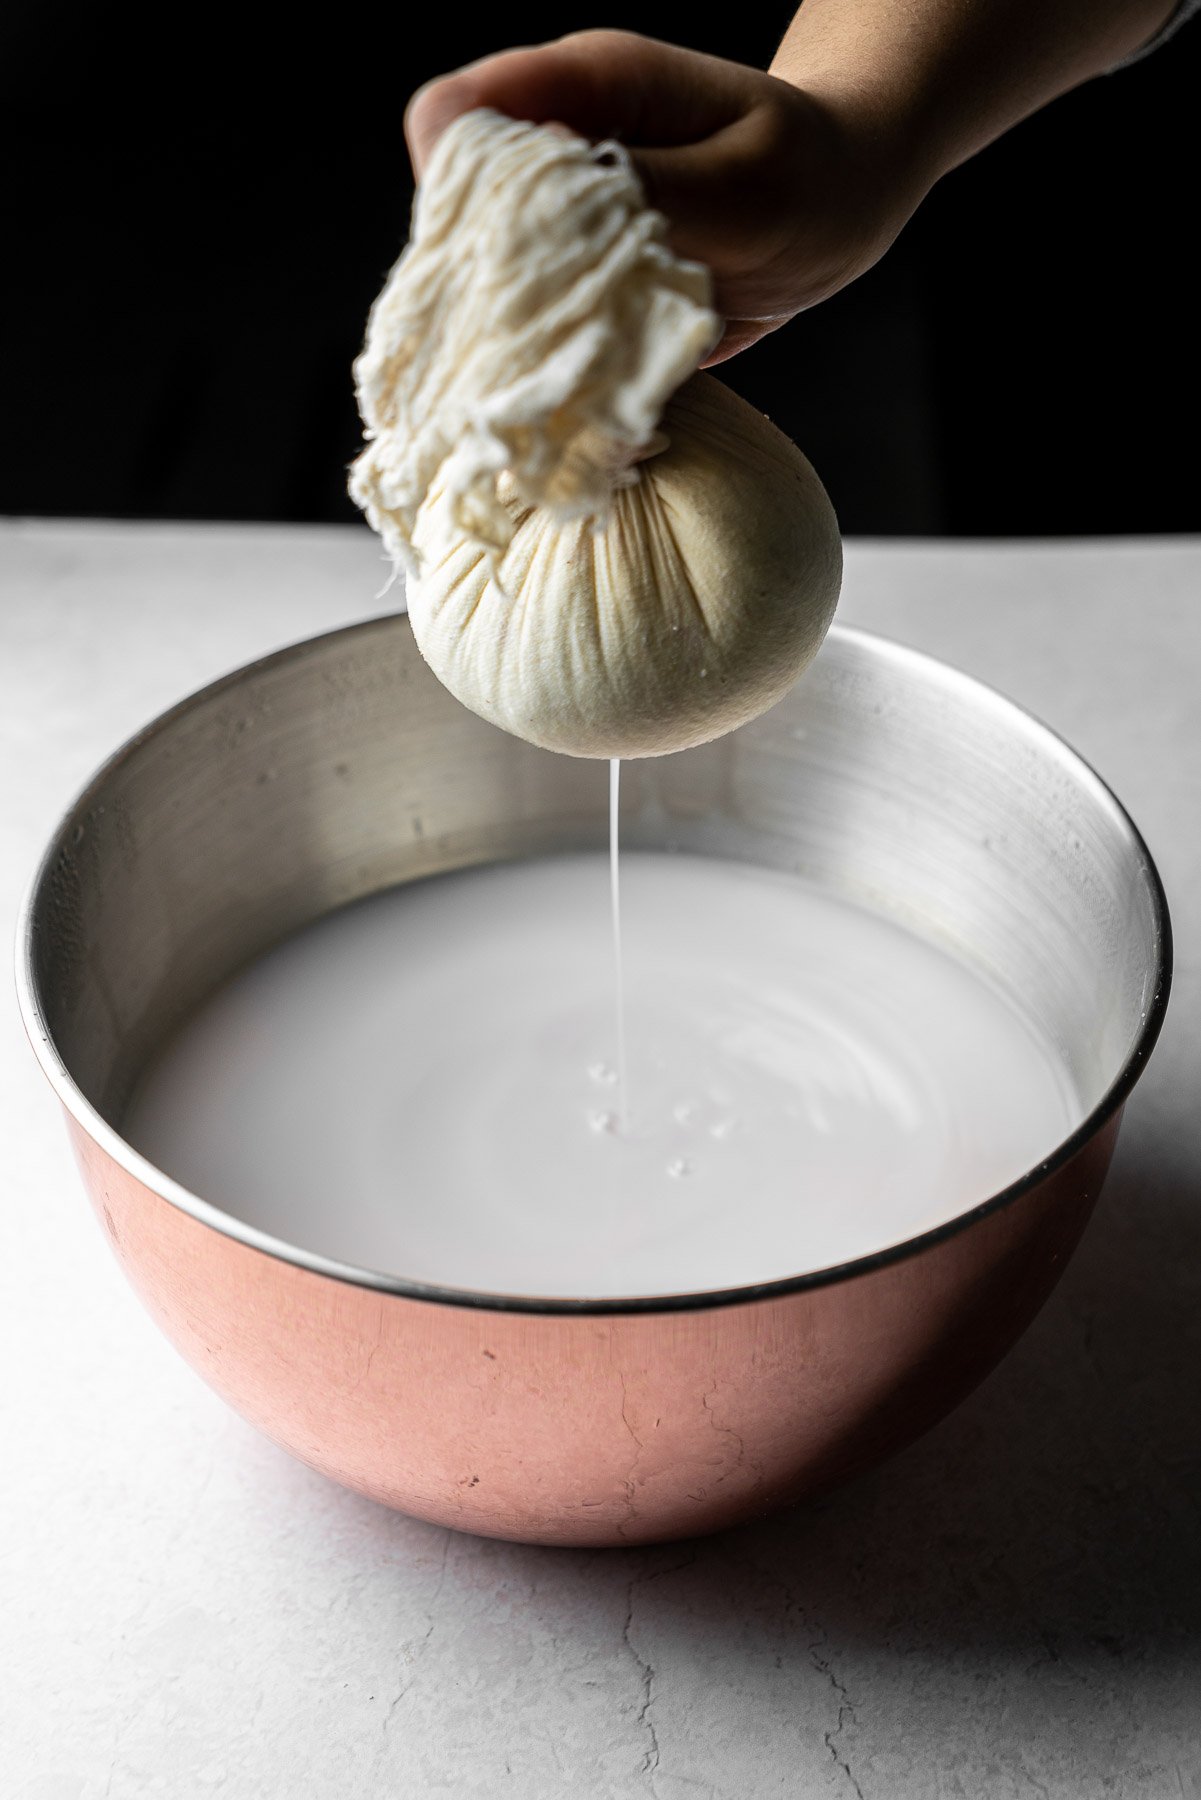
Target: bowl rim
[205, 1212]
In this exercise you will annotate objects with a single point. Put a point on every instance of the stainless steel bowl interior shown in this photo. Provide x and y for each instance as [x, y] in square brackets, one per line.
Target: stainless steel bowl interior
[340, 767]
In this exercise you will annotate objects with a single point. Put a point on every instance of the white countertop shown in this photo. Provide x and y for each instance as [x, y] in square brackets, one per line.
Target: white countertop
[1012, 1607]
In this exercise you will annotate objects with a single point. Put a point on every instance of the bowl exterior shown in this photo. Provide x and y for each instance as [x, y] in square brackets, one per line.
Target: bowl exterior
[339, 767]
[597, 1428]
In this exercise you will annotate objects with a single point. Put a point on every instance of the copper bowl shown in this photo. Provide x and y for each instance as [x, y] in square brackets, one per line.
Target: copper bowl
[339, 767]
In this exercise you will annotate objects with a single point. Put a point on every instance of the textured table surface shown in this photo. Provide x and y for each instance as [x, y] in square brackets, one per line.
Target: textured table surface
[1012, 1607]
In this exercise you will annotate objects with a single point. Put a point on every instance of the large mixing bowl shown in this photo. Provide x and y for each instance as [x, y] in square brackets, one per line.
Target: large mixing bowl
[340, 767]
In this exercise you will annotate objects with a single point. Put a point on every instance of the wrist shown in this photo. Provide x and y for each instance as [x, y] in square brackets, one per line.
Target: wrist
[936, 81]
[885, 121]
[875, 170]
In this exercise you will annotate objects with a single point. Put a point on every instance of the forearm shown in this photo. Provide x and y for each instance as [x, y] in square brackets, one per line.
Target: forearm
[790, 185]
[939, 79]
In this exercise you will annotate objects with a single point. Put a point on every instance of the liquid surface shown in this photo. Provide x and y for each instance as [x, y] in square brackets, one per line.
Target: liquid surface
[425, 1083]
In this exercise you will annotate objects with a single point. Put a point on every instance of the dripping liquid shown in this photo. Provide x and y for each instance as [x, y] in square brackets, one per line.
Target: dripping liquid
[623, 1097]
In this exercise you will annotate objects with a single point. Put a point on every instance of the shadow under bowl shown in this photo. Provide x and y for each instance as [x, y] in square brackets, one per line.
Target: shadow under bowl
[340, 767]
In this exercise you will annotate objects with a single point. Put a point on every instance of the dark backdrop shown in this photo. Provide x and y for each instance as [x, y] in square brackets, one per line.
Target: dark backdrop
[202, 211]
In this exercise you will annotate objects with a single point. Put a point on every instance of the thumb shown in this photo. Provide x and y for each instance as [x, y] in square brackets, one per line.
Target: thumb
[684, 184]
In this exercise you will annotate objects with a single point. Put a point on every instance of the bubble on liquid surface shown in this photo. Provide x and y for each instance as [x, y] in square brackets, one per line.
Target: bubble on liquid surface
[602, 1121]
[679, 1167]
[602, 1074]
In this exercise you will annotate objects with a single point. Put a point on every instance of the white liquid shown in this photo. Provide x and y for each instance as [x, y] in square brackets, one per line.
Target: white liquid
[425, 1084]
[619, 984]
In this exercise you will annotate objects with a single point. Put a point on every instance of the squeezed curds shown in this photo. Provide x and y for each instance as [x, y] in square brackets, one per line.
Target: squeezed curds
[607, 553]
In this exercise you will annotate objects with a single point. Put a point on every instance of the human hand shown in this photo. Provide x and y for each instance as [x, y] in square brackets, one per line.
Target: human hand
[784, 194]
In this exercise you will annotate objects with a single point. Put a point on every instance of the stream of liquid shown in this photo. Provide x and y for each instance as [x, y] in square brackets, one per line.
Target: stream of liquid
[425, 1083]
[619, 986]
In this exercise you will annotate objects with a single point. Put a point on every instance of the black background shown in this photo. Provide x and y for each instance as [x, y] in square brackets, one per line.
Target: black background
[202, 210]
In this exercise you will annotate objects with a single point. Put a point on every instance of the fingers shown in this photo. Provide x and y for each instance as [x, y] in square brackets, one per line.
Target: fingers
[600, 83]
[517, 82]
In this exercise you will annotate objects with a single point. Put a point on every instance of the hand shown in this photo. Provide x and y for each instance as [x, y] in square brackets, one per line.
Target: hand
[784, 195]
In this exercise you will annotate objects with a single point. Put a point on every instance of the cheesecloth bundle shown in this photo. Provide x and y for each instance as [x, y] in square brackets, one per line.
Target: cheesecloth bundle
[598, 558]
